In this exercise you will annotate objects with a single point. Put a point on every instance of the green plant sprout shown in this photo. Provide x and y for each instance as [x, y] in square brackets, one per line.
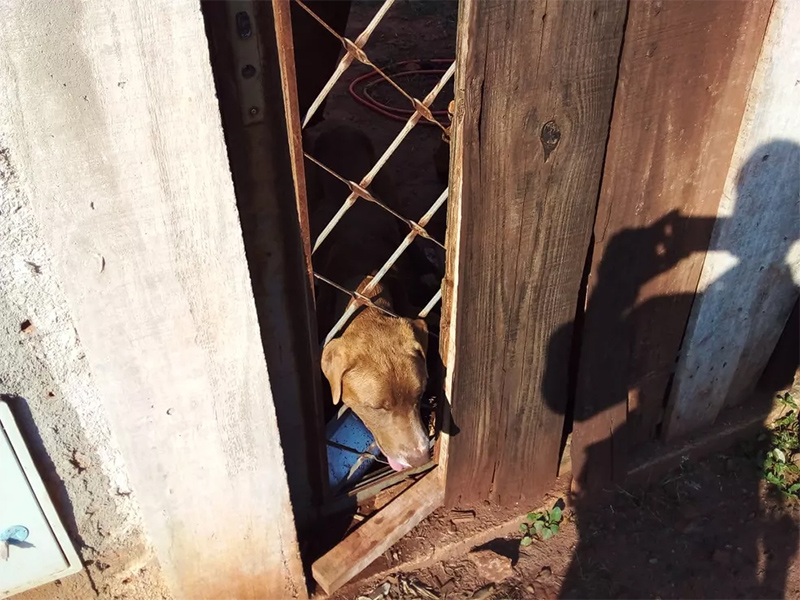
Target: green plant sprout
[781, 465]
[543, 525]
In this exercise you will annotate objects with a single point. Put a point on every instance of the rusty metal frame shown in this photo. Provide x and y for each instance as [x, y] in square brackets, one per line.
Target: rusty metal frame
[358, 190]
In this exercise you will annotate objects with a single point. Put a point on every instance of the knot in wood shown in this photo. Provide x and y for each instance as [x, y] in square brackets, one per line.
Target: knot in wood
[550, 136]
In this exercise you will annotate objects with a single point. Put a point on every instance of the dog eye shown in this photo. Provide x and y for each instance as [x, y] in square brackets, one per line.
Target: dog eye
[375, 408]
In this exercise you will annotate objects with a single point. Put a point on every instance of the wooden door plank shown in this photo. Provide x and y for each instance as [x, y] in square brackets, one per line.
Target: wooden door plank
[749, 280]
[684, 74]
[351, 556]
[450, 282]
[536, 101]
[129, 177]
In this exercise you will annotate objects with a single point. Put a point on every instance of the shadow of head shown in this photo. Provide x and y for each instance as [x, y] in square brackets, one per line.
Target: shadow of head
[766, 201]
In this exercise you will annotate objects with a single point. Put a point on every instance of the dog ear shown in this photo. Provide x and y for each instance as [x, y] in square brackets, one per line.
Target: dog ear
[335, 362]
[421, 334]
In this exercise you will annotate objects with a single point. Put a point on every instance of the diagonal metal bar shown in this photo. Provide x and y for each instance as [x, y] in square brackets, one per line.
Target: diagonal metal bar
[347, 59]
[412, 121]
[356, 296]
[351, 308]
[363, 299]
[356, 51]
[361, 192]
[433, 302]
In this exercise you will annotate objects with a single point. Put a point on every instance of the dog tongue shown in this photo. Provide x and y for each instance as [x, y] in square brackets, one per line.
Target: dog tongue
[395, 465]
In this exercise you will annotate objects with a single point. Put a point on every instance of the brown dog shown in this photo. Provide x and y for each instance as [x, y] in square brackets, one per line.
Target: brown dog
[376, 365]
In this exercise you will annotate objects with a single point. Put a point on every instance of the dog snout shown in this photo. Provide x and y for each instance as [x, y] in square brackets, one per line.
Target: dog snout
[419, 457]
[418, 452]
[407, 446]
[409, 460]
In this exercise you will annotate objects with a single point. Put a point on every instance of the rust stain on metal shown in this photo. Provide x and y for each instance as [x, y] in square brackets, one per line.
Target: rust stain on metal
[285, 42]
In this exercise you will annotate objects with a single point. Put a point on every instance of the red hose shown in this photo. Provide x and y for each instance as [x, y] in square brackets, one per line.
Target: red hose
[392, 112]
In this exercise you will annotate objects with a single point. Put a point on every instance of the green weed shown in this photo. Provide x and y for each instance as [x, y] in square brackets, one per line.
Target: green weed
[543, 525]
[781, 465]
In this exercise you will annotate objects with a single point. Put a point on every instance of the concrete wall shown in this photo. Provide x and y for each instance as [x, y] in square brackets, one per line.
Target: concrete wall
[46, 379]
[751, 274]
[118, 192]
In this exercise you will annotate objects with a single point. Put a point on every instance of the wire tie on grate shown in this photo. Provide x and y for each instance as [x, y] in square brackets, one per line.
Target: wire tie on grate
[361, 192]
[356, 190]
[412, 121]
[418, 229]
[423, 110]
[361, 299]
[358, 298]
[422, 232]
[354, 51]
[344, 63]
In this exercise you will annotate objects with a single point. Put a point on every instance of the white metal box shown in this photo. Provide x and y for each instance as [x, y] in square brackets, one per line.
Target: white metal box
[34, 546]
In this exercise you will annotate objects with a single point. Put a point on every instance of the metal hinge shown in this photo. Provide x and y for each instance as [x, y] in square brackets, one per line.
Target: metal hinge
[247, 59]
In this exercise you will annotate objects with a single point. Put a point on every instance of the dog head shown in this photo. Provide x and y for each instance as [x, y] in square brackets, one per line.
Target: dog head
[377, 368]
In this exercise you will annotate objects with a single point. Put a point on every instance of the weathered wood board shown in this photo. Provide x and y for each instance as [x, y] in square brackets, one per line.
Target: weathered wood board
[750, 278]
[684, 74]
[373, 538]
[534, 102]
[109, 114]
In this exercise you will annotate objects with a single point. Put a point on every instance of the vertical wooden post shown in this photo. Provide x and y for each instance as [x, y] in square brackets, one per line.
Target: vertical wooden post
[683, 80]
[536, 82]
[751, 275]
[128, 173]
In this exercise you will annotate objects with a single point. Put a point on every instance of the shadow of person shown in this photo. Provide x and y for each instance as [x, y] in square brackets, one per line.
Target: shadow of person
[709, 529]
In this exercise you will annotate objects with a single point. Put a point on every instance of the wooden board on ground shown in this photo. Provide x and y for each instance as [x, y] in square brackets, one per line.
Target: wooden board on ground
[750, 277]
[109, 114]
[684, 74]
[373, 538]
[534, 102]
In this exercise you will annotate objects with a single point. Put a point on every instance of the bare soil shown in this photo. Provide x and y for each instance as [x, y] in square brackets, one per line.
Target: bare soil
[711, 529]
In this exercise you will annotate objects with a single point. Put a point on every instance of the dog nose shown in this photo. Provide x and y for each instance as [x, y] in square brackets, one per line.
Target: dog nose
[419, 456]
[417, 460]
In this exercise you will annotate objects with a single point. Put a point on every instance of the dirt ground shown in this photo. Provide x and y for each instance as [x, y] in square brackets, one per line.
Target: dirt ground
[710, 529]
